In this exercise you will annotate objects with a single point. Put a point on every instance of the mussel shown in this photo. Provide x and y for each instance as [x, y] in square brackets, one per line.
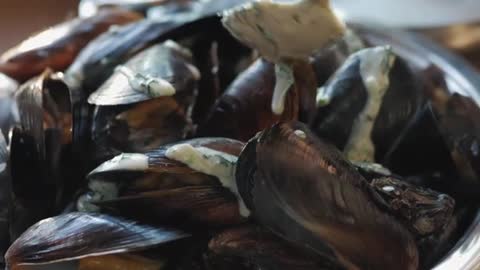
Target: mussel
[97, 61]
[8, 112]
[42, 140]
[423, 211]
[159, 83]
[5, 197]
[305, 191]
[244, 109]
[57, 47]
[255, 245]
[367, 104]
[457, 120]
[175, 192]
[81, 236]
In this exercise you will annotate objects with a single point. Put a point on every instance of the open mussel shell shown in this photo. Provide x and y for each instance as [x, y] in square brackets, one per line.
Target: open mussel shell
[79, 235]
[57, 47]
[98, 60]
[244, 109]
[255, 245]
[8, 109]
[286, 172]
[174, 193]
[367, 104]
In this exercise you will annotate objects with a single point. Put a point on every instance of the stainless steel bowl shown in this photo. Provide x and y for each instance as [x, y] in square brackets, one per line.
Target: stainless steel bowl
[462, 78]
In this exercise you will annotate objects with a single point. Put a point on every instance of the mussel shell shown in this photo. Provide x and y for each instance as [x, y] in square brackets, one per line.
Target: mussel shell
[167, 61]
[256, 245]
[423, 211]
[98, 60]
[244, 109]
[157, 162]
[186, 207]
[80, 235]
[5, 196]
[290, 172]
[213, 56]
[457, 119]
[423, 138]
[65, 41]
[130, 128]
[174, 193]
[347, 97]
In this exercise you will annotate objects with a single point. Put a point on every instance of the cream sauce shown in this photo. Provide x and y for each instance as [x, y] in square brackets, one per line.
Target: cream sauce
[279, 30]
[375, 66]
[284, 30]
[154, 87]
[99, 191]
[284, 81]
[211, 162]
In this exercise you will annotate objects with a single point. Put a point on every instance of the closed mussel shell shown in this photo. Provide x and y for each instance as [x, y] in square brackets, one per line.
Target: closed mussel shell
[243, 110]
[367, 104]
[160, 84]
[175, 193]
[76, 236]
[5, 197]
[97, 61]
[42, 141]
[286, 171]
[57, 47]
[256, 245]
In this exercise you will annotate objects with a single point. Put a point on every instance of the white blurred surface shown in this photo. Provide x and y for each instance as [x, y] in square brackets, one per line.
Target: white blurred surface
[409, 13]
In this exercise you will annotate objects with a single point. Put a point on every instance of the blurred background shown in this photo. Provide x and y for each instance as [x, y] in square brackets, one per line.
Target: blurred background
[454, 23]
[20, 18]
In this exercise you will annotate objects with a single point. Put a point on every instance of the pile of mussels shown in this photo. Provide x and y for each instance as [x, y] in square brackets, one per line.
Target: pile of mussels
[146, 137]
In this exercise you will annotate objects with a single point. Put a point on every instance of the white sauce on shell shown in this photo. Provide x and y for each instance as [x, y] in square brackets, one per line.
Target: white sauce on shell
[211, 162]
[300, 133]
[375, 66]
[100, 191]
[284, 30]
[125, 161]
[388, 189]
[284, 80]
[154, 87]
